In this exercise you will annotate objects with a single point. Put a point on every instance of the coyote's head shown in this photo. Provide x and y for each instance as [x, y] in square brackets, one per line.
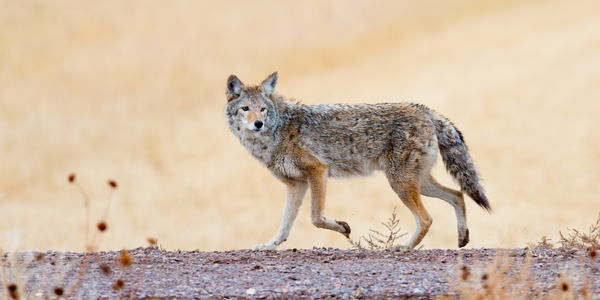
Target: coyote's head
[250, 108]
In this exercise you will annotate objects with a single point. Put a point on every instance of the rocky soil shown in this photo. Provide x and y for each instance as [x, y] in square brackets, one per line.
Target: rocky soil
[147, 273]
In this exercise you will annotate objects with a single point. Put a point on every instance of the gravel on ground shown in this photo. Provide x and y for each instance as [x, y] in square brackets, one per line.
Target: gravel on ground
[151, 273]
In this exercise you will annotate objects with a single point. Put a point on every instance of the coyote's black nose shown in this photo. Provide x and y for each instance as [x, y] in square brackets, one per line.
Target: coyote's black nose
[258, 124]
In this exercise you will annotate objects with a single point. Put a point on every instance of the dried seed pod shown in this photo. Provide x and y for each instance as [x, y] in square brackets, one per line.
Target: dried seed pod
[102, 226]
[564, 286]
[125, 259]
[152, 241]
[464, 274]
[39, 256]
[118, 284]
[112, 184]
[105, 269]
[13, 292]
[59, 291]
[72, 177]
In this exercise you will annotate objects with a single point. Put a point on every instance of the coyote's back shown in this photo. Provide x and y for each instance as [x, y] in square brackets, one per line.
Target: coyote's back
[304, 145]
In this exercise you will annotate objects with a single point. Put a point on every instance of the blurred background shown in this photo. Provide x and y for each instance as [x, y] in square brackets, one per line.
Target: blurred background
[133, 91]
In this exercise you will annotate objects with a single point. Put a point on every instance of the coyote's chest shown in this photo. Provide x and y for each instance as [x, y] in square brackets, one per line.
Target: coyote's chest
[259, 145]
[266, 149]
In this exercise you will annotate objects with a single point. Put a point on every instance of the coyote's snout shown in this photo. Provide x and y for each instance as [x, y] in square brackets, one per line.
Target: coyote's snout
[305, 145]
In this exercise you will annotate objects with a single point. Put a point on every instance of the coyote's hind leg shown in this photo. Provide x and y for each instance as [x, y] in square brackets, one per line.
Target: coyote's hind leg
[408, 191]
[431, 188]
[406, 185]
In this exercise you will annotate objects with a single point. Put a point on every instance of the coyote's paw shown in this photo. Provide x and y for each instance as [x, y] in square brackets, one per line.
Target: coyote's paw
[401, 248]
[263, 247]
[347, 230]
[464, 240]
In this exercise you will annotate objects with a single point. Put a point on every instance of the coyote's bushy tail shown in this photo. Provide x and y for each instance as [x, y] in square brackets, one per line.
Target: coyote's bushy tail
[457, 160]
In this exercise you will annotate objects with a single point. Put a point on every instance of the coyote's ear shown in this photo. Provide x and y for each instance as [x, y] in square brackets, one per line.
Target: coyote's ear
[234, 88]
[268, 85]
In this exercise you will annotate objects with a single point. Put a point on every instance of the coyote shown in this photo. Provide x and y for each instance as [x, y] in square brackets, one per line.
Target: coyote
[304, 145]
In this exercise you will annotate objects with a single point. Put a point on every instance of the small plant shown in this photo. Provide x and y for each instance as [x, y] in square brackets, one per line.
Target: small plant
[545, 244]
[378, 240]
[3, 269]
[574, 239]
[502, 280]
[153, 242]
[498, 280]
[16, 290]
[92, 244]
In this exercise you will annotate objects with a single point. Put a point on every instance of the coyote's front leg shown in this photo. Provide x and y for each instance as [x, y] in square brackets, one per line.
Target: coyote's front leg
[296, 190]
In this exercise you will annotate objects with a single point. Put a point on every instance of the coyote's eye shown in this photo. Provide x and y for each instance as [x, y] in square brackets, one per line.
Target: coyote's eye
[245, 108]
[262, 109]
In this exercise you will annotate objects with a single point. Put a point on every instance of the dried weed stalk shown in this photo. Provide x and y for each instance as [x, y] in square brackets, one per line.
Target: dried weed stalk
[574, 239]
[90, 244]
[544, 244]
[52, 288]
[378, 240]
[579, 240]
[4, 275]
[498, 280]
[501, 280]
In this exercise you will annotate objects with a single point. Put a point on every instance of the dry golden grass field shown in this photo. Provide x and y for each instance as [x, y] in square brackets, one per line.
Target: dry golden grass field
[134, 91]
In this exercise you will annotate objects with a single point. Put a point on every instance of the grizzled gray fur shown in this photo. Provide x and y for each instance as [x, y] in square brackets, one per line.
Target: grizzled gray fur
[304, 145]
